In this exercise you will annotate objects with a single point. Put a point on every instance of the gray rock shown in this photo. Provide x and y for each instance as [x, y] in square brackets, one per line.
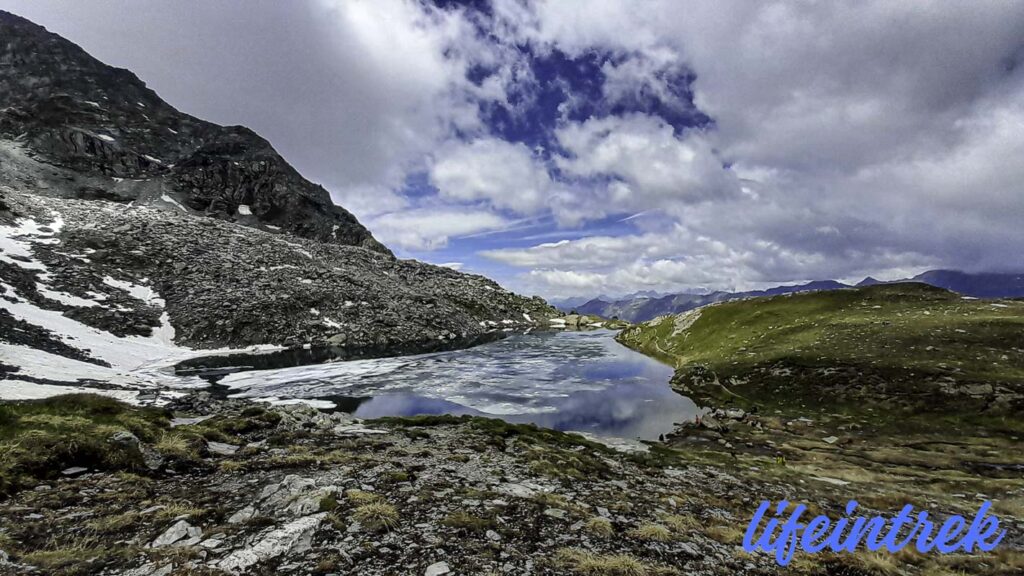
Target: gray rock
[180, 530]
[437, 569]
[150, 570]
[124, 439]
[556, 513]
[152, 459]
[74, 471]
[221, 448]
[735, 414]
[517, 490]
[175, 422]
[243, 515]
[295, 537]
[211, 543]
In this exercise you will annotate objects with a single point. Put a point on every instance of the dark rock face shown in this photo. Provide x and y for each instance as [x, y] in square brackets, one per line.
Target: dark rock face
[104, 126]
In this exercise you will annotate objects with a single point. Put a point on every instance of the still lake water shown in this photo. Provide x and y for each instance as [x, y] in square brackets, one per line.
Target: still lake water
[578, 381]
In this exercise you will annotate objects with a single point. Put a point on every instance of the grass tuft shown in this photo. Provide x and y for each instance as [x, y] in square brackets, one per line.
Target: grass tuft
[377, 516]
[600, 527]
[651, 532]
[590, 564]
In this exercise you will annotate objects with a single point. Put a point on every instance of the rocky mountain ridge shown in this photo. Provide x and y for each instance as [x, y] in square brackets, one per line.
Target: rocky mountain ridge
[100, 132]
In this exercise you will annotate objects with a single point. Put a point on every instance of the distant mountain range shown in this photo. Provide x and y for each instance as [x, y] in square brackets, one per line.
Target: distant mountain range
[640, 307]
[571, 303]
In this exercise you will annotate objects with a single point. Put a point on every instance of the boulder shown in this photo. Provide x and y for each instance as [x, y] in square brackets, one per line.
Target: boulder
[295, 537]
[178, 531]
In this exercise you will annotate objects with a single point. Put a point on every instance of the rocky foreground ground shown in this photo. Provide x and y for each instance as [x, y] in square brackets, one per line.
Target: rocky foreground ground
[215, 487]
[230, 487]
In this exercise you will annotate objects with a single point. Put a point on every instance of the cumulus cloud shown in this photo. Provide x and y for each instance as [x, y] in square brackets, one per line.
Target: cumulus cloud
[654, 261]
[864, 138]
[503, 174]
[649, 165]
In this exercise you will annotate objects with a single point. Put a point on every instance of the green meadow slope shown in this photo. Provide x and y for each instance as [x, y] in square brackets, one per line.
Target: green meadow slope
[887, 395]
[907, 345]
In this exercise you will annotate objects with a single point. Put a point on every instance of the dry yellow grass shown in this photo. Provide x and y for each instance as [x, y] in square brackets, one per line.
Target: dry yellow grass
[680, 523]
[590, 564]
[651, 532]
[359, 497]
[377, 516]
[599, 527]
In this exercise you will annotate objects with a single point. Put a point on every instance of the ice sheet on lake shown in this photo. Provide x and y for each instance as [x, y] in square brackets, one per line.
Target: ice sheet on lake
[568, 381]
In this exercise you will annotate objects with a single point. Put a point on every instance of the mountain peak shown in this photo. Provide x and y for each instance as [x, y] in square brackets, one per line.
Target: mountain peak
[108, 135]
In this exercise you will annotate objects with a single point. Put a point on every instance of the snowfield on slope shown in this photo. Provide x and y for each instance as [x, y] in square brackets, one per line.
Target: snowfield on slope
[136, 363]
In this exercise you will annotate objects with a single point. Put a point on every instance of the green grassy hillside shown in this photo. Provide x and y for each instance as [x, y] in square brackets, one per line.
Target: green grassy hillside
[907, 343]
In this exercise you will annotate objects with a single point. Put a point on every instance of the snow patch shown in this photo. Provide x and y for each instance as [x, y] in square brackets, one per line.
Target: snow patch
[64, 297]
[321, 404]
[137, 291]
[244, 210]
[173, 202]
[105, 138]
[17, 239]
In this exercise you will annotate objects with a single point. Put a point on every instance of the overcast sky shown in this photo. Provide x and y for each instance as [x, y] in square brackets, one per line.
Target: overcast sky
[577, 148]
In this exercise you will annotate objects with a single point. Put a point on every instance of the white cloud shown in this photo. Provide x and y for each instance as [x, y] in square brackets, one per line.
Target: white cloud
[871, 137]
[430, 228]
[652, 167]
[402, 87]
[503, 174]
[569, 282]
[639, 78]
